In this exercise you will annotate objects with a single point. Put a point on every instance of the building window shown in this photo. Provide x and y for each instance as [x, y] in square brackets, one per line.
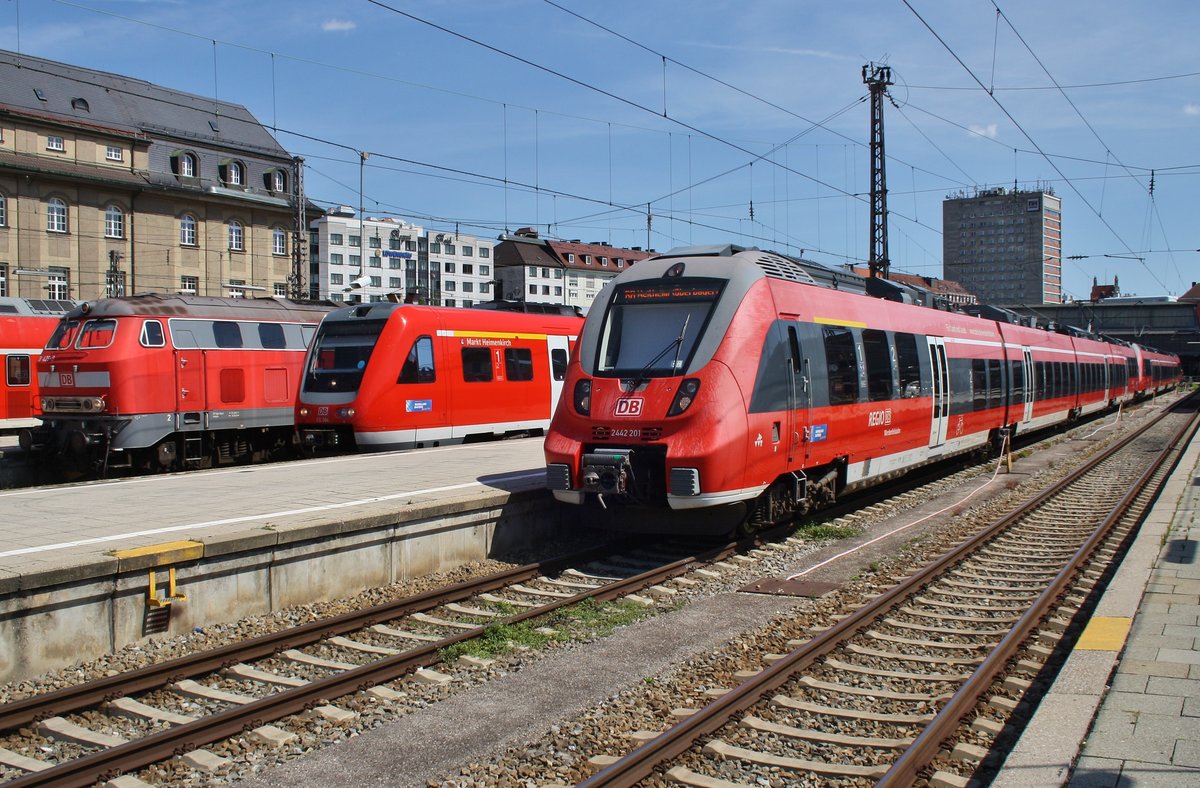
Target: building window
[59, 287]
[335, 279]
[235, 291]
[449, 248]
[468, 251]
[376, 281]
[335, 239]
[278, 241]
[55, 142]
[484, 252]
[335, 258]
[114, 222]
[570, 257]
[468, 268]
[3, 279]
[186, 165]
[375, 262]
[278, 181]
[3, 211]
[237, 241]
[533, 290]
[435, 248]
[485, 270]
[189, 284]
[604, 262]
[280, 289]
[375, 242]
[234, 175]
[113, 153]
[468, 287]
[394, 282]
[56, 216]
[449, 268]
[449, 285]
[394, 262]
[187, 230]
[355, 240]
[356, 261]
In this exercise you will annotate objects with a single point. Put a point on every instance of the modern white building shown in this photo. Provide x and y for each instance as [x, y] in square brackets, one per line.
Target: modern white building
[373, 259]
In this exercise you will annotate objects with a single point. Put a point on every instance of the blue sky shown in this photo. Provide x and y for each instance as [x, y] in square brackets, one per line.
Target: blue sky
[731, 122]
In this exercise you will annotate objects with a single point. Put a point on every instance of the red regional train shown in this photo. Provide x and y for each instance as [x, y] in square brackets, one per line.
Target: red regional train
[25, 325]
[738, 388]
[166, 382]
[394, 376]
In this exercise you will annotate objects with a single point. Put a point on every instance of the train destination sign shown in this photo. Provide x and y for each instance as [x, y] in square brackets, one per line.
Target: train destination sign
[667, 292]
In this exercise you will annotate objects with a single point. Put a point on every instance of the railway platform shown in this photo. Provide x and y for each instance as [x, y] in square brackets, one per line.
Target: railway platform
[1125, 709]
[88, 568]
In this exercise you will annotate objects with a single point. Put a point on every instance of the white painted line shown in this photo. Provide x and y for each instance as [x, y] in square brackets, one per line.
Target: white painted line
[252, 517]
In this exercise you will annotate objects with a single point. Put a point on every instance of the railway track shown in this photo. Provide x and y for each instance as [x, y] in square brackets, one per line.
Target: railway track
[917, 681]
[120, 724]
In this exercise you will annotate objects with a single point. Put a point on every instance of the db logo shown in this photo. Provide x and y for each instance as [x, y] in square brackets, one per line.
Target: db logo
[629, 407]
[66, 379]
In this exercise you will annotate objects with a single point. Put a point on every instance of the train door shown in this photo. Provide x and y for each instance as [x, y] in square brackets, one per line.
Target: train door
[559, 353]
[1027, 378]
[189, 380]
[941, 391]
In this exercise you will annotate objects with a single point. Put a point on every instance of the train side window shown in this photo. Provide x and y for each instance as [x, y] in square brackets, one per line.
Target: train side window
[842, 363]
[96, 334]
[16, 369]
[518, 363]
[227, 333]
[558, 363]
[978, 384]
[152, 334]
[1016, 375]
[271, 336]
[908, 364]
[418, 367]
[477, 365]
[995, 399]
[879, 365]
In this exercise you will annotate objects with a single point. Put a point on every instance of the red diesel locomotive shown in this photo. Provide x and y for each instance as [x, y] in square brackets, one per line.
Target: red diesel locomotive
[394, 376]
[25, 325]
[731, 386]
[166, 382]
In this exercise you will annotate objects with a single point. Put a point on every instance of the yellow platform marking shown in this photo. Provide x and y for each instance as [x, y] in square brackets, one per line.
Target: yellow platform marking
[837, 321]
[1104, 633]
[165, 553]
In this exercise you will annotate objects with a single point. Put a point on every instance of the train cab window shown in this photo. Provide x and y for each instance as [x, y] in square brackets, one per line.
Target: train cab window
[652, 327]
[518, 363]
[340, 354]
[418, 367]
[152, 334]
[908, 365]
[16, 370]
[477, 365]
[558, 363]
[227, 333]
[271, 336]
[878, 357]
[842, 363]
[96, 334]
[63, 336]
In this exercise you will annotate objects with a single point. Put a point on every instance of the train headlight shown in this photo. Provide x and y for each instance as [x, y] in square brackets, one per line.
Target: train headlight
[583, 397]
[685, 396]
[345, 413]
[303, 412]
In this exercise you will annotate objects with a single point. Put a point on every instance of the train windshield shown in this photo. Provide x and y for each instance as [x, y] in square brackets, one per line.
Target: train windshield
[64, 335]
[340, 354]
[652, 327]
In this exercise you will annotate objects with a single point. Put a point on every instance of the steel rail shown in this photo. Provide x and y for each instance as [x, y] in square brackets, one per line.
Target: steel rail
[925, 747]
[678, 739]
[109, 763]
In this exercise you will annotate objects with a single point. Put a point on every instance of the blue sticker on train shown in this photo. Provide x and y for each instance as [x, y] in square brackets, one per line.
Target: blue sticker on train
[819, 432]
[418, 405]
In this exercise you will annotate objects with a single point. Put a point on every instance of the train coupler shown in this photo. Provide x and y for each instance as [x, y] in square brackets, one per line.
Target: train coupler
[608, 472]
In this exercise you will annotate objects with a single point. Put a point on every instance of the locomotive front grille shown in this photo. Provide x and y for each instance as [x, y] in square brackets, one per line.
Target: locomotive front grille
[558, 476]
[685, 481]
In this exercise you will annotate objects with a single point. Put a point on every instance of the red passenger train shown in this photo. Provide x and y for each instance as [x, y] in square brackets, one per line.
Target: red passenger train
[740, 387]
[25, 325]
[394, 376]
[165, 382]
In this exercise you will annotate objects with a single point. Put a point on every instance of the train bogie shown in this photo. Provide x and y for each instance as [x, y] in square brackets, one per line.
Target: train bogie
[730, 384]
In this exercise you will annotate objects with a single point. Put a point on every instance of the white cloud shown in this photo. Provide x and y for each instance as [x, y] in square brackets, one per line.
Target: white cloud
[988, 131]
[1191, 109]
[338, 25]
